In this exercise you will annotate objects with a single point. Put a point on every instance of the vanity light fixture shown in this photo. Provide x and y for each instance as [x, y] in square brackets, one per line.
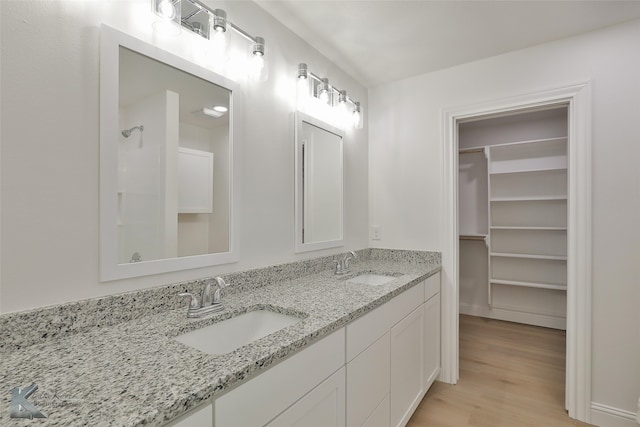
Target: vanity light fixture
[357, 116]
[323, 90]
[219, 21]
[168, 13]
[349, 109]
[166, 9]
[210, 24]
[303, 72]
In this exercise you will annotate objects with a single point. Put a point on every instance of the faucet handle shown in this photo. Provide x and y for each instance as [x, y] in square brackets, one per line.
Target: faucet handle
[221, 283]
[207, 295]
[194, 302]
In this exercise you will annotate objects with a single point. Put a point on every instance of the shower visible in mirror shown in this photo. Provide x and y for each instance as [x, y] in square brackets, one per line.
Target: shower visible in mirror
[166, 206]
[319, 184]
[127, 132]
[166, 171]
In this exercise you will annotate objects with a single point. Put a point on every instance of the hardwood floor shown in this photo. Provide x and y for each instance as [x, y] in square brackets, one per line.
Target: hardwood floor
[511, 375]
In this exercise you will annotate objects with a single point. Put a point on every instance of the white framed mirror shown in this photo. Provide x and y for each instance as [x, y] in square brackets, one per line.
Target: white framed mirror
[166, 161]
[319, 184]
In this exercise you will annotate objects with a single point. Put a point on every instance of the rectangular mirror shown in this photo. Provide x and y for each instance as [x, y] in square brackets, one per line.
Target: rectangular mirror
[166, 161]
[319, 184]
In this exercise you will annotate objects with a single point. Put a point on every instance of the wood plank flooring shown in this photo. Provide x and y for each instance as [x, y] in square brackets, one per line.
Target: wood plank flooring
[511, 375]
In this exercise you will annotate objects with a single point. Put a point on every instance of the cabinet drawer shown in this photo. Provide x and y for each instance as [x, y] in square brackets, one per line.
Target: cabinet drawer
[297, 375]
[366, 330]
[431, 286]
[405, 303]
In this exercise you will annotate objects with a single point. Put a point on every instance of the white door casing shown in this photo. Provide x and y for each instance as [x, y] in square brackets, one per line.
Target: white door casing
[578, 99]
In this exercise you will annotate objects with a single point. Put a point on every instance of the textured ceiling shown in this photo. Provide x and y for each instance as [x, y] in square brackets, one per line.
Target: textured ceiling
[381, 41]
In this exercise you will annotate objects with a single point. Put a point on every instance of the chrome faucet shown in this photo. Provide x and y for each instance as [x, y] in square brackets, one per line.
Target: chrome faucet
[342, 266]
[209, 302]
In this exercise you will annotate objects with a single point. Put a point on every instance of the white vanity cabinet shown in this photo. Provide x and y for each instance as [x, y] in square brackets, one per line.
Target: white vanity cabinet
[271, 394]
[371, 373]
[324, 406]
[388, 356]
[431, 329]
[407, 366]
[368, 372]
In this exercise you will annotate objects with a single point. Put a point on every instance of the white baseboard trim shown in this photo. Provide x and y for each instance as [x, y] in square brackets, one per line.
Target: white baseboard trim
[607, 416]
[544, 320]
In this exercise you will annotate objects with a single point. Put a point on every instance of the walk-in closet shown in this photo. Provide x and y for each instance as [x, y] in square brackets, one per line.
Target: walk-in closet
[512, 216]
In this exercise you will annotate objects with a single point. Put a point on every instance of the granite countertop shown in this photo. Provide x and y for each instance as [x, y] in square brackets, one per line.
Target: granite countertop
[134, 373]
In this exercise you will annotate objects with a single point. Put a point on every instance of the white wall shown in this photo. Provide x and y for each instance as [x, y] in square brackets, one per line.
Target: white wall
[50, 128]
[406, 153]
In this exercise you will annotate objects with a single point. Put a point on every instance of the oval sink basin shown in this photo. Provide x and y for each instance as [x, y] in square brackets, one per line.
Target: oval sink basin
[372, 279]
[228, 335]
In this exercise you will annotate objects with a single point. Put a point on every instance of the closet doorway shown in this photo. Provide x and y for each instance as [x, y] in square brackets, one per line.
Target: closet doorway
[512, 217]
[576, 101]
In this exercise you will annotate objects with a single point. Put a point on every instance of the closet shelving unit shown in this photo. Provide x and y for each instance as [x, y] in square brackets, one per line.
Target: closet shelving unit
[527, 212]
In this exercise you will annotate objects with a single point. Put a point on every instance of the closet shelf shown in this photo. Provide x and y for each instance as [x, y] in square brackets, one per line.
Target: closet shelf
[479, 237]
[527, 198]
[528, 141]
[528, 170]
[471, 150]
[510, 227]
[529, 256]
[529, 284]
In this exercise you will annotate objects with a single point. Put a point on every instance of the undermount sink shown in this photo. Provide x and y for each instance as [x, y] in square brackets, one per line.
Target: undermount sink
[372, 279]
[228, 335]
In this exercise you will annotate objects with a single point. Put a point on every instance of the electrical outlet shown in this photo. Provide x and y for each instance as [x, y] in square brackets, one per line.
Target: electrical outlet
[376, 232]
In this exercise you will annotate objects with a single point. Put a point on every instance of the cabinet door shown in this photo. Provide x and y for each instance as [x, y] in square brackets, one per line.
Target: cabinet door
[407, 366]
[259, 400]
[368, 381]
[324, 406]
[431, 340]
[380, 416]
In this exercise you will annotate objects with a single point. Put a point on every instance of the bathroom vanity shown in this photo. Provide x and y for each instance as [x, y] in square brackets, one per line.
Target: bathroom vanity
[357, 354]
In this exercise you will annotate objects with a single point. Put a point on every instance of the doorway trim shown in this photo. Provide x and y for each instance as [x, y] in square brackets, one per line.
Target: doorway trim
[578, 99]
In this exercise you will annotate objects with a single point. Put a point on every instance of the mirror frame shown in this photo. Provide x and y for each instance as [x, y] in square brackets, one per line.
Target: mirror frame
[300, 246]
[110, 42]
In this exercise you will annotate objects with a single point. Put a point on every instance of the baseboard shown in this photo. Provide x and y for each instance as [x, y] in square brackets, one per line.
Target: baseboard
[510, 315]
[607, 416]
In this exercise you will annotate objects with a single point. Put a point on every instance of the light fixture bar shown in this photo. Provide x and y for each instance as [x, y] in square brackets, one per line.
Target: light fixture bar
[304, 71]
[219, 17]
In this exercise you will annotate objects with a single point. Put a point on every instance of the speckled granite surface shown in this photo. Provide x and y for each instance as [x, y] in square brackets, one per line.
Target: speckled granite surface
[128, 370]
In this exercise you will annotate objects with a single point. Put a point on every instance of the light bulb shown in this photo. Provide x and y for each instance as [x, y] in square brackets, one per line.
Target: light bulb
[323, 90]
[356, 118]
[219, 21]
[166, 10]
[168, 22]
